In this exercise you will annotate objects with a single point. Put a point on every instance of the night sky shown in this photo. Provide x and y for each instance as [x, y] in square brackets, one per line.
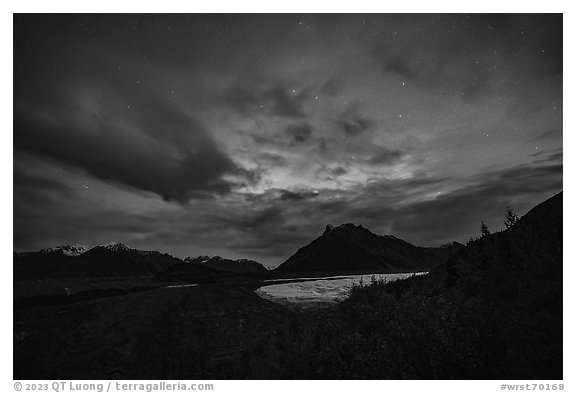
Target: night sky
[244, 135]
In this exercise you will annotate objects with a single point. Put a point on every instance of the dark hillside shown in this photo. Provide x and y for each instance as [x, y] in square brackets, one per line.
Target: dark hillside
[353, 248]
[492, 311]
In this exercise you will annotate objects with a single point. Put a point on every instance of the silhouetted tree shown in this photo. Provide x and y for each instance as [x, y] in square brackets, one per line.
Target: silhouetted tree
[484, 230]
[510, 218]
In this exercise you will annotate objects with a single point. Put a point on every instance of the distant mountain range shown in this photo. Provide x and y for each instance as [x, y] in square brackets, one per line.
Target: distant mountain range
[115, 259]
[353, 248]
[347, 248]
[229, 265]
[109, 260]
[211, 269]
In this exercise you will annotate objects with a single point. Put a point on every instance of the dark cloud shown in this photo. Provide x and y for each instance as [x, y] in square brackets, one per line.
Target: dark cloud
[331, 87]
[552, 134]
[57, 219]
[353, 123]
[443, 217]
[299, 133]
[339, 171]
[476, 89]
[286, 103]
[273, 195]
[462, 211]
[148, 145]
[196, 172]
[36, 220]
[24, 181]
[355, 126]
[399, 65]
[297, 196]
[256, 220]
[385, 156]
[554, 156]
[241, 100]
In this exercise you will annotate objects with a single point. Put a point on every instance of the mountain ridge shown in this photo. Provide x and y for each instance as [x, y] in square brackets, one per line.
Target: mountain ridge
[352, 247]
[109, 260]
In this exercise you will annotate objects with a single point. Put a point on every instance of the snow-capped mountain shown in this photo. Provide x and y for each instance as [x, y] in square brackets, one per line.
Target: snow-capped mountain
[112, 259]
[72, 250]
[116, 246]
[198, 260]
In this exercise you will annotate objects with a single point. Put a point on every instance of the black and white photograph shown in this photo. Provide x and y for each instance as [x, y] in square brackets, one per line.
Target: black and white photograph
[287, 196]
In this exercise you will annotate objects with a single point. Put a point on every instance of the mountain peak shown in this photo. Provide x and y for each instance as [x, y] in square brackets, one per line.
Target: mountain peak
[115, 246]
[328, 229]
[233, 265]
[451, 245]
[346, 226]
[351, 247]
[198, 260]
[71, 250]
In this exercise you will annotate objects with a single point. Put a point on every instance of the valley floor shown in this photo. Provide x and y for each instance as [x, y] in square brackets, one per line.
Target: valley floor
[184, 332]
[227, 331]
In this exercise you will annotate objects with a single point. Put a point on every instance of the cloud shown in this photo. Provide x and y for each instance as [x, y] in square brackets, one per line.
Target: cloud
[276, 99]
[447, 216]
[475, 89]
[338, 171]
[353, 123]
[299, 133]
[271, 159]
[286, 103]
[31, 190]
[331, 87]
[144, 143]
[385, 156]
[553, 156]
[192, 172]
[24, 181]
[256, 220]
[399, 65]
